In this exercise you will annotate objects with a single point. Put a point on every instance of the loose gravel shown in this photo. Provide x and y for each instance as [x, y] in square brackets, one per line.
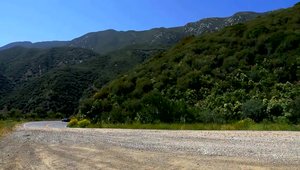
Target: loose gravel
[183, 148]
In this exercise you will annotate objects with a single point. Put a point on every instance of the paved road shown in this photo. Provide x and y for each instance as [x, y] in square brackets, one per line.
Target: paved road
[49, 145]
[45, 124]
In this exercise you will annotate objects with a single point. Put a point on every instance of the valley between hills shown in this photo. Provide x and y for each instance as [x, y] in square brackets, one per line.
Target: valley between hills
[242, 69]
[219, 93]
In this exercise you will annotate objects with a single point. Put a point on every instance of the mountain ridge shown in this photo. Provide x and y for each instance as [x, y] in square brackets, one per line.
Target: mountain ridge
[99, 42]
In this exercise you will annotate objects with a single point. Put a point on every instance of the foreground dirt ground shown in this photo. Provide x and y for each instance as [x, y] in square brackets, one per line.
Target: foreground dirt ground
[63, 148]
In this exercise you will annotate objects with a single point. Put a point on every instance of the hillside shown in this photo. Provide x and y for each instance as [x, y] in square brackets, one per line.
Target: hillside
[58, 91]
[5, 86]
[243, 71]
[21, 64]
[60, 87]
[35, 73]
[43, 79]
[27, 44]
[111, 40]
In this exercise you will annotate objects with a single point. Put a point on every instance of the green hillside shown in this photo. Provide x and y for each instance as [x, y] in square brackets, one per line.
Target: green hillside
[56, 91]
[42, 80]
[244, 71]
[5, 85]
[38, 72]
[21, 64]
[61, 87]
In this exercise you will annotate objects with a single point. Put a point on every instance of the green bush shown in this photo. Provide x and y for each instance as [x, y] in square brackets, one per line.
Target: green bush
[53, 115]
[73, 122]
[103, 93]
[206, 116]
[116, 115]
[86, 105]
[122, 86]
[31, 116]
[295, 111]
[144, 84]
[161, 107]
[281, 120]
[16, 114]
[84, 123]
[3, 115]
[254, 109]
[257, 31]
[146, 115]
[244, 124]
[191, 80]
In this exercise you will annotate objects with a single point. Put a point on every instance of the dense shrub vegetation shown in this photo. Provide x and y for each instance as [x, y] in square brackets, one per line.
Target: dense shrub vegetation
[5, 85]
[59, 89]
[46, 79]
[41, 76]
[246, 71]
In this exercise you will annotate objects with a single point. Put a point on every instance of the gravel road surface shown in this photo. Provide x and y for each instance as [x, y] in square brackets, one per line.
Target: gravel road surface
[45, 124]
[49, 145]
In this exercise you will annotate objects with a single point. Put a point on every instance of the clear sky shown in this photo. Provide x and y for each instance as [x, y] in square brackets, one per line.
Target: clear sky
[44, 20]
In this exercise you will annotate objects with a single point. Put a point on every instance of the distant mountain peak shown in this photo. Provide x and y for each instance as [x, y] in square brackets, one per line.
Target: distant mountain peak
[217, 23]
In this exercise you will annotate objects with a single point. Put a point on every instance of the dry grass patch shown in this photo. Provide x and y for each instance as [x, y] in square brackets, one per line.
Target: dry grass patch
[7, 126]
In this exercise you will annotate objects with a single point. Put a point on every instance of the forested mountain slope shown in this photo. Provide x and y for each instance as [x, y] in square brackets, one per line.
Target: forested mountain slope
[42, 79]
[21, 64]
[38, 74]
[5, 85]
[244, 71]
[60, 86]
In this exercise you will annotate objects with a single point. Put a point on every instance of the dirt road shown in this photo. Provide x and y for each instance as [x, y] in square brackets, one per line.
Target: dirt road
[51, 146]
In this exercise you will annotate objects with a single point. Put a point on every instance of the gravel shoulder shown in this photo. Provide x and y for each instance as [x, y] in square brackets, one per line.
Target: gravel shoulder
[64, 148]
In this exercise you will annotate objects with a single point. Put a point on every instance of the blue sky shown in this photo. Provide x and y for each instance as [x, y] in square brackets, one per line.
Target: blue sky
[43, 20]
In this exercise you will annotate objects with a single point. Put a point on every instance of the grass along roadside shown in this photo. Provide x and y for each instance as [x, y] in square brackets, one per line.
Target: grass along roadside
[240, 125]
[271, 127]
[7, 126]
